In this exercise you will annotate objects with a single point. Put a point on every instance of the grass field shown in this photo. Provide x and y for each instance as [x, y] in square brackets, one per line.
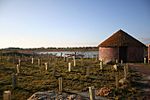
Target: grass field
[33, 78]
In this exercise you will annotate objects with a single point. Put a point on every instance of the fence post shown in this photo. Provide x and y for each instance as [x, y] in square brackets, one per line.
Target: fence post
[32, 60]
[92, 93]
[46, 66]
[69, 67]
[14, 81]
[121, 62]
[19, 62]
[117, 80]
[60, 85]
[144, 60]
[115, 67]
[54, 71]
[116, 61]
[38, 62]
[74, 60]
[18, 69]
[125, 72]
[101, 65]
[87, 71]
[64, 58]
[7, 95]
[127, 68]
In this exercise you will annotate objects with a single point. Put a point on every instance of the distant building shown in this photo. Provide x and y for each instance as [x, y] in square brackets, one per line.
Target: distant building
[121, 46]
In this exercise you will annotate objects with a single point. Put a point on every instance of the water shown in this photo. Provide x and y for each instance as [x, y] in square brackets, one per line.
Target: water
[86, 54]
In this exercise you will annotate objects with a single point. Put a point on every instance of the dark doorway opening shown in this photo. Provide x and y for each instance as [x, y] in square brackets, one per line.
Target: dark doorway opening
[123, 54]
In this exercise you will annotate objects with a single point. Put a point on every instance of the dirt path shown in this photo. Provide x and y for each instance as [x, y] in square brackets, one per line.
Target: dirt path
[142, 68]
[144, 81]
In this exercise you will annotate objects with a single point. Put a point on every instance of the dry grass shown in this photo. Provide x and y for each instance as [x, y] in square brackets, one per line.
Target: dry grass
[34, 78]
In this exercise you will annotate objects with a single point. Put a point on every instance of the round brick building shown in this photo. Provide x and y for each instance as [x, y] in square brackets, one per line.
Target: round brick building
[121, 46]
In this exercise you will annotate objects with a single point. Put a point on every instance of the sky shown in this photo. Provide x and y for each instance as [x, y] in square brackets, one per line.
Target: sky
[71, 23]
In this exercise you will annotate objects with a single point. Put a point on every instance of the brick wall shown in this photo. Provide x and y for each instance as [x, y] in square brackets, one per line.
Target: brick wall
[108, 54]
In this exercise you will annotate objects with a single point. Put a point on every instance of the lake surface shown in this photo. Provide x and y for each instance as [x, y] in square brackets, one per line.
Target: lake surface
[86, 54]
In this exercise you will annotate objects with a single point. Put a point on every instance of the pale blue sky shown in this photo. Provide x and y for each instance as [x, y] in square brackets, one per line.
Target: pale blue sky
[70, 23]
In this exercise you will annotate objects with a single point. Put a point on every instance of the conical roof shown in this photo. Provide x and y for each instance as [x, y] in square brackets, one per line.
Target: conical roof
[121, 38]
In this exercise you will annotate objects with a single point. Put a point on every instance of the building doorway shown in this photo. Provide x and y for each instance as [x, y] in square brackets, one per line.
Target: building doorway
[123, 54]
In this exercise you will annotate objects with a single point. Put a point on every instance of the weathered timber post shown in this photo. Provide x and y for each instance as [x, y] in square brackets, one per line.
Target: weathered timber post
[67, 59]
[64, 58]
[18, 69]
[60, 85]
[115, 67]
[96, 59]
[7, 95]
[148, 58]
[1, 56]
[74, 61]
[82, 61]
[127, 68]
[32, 60]
[116, 61]
[48, 63]
[54, 71]
[14, 81]
[101, 65]
[69, 67]
[46, 66]
[92, 93]
[19, 61]
[39, 62]
[121, 62]
[125, 72]
[144, 60]
[87, 71]
[117, 80]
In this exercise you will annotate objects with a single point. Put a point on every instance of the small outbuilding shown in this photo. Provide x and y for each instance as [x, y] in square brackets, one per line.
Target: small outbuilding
[121, 46]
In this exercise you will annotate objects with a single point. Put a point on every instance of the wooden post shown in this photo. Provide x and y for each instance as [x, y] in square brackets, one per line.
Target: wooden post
[60, 85]
[39, 62]
[67, 59]
[117, 80]
[64, 58]
[144, 60]
[101, 65]
[14, 81]
[1, 56]
[125, 72]
[7, 95]
[46, 66]
[54, 71]
[74, 61]
[69, 67]
[87, 71]
[121, 62]
[115, 67]
[8, 58]
[18, 69]
[82, 61]
[96, 57]
[19, 62]
[48, 63]
[32, 60]
[92, 93]
[127, 68]
[148, 54]
[116, 61]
